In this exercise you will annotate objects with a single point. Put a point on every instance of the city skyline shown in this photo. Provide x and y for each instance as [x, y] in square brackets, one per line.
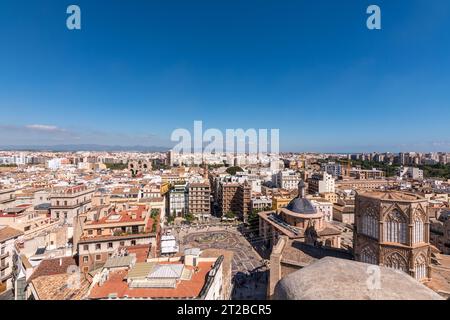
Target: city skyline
[135, 73]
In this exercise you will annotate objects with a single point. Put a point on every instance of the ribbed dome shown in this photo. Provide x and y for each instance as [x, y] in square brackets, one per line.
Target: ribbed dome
[301, 205]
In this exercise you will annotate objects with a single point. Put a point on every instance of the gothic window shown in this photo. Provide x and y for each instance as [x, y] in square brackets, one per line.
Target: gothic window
[420, 267]
[395, 227]
[368, 255]
[369, 225]
[418, 235]
[396, 261]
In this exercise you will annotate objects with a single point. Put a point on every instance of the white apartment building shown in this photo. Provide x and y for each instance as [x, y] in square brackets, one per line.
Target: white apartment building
[178, 200]
[8, 237]
[261, 203]
[410, 173]
[324, 207]
[287, 179]
[321, 183]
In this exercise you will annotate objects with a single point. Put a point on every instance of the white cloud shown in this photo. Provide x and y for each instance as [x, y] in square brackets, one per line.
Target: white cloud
[43, 127]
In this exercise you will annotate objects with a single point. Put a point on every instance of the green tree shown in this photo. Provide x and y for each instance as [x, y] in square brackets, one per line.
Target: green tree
[170, 219]
[233, 170]
[189, 217]
[116, 166]
[230, 215]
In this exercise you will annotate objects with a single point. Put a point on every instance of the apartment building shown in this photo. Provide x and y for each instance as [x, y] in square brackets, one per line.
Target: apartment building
[178, 200]
[235, 197]
[155, 190]
[410, 173]
[335, 169]
[324, 207]
[287, 179]
[367, 174]
[31, 221]
[261, 203]
[321, 183]
[68, 202]
[199, 199]
[8, 237]
[364, 184]
[98, 239]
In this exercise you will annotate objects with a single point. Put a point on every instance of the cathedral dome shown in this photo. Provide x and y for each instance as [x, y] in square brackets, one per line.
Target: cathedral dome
[301, 204]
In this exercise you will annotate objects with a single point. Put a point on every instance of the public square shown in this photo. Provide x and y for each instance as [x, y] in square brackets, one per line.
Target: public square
[249, 270]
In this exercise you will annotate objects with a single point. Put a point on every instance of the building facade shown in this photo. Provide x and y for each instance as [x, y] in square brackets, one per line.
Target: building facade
[234, 197]
[199, 199]
[321, 183]
[8, 237]
[392, 229]
[178, 200]
[68, 203]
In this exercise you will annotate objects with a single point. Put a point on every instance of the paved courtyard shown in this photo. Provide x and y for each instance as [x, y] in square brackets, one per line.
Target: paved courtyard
[248, 268]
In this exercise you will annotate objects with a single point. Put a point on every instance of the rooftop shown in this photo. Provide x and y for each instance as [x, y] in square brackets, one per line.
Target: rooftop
[55, 287]
[340, 279]
[7, 233]
[50, 267]
[392, 195]
[116, 285]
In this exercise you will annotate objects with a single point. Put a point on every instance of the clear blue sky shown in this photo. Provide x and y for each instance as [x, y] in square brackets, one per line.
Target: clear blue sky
[139, 69]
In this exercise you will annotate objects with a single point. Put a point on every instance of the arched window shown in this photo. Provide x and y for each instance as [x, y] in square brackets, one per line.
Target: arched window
[395, 227]
[396, 261]
[418, 235]
[369, 224]
[420, 267]
[368, 255]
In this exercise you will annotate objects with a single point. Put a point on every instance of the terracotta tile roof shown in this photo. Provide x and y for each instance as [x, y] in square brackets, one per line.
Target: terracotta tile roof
[8, 233]
[52, 266]
[55, 287]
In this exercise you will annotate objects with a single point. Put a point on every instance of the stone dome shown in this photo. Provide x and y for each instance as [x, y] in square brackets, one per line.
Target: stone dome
[340, 279]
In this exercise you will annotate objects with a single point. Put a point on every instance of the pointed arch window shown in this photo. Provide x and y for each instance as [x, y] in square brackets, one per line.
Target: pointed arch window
[397, 262]
[395, 227]
[368, 255]
[369, 225]
[420, 267]
[418, 235]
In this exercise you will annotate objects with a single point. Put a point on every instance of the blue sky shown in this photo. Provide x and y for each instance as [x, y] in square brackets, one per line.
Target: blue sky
[140, 69]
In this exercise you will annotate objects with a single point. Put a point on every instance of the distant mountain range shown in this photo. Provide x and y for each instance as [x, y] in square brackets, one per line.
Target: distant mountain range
[83, 147]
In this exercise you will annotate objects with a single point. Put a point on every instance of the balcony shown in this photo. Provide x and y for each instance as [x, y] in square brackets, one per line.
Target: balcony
[4, 266]
[4, 254]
